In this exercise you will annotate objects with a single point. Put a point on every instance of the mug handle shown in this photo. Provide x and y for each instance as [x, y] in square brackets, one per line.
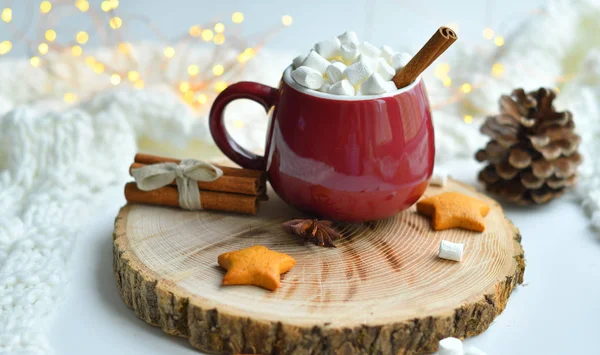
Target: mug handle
[265, 95]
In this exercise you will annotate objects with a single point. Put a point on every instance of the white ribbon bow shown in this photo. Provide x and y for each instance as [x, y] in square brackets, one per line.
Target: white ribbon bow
[186, 174]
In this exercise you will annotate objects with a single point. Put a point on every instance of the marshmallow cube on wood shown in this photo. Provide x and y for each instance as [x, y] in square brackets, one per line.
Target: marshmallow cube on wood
[315, 61]
[358, 72]
[308, 77]
[329, 48]
[297, 62]
[471, 350]
[343, 87]
[349, 52]
[349, 37]
[384, 69]
[450, 346]
[439, 177]
[399, 60]
[335, 72]
[451, 251]
[374, 85]
[369, 49]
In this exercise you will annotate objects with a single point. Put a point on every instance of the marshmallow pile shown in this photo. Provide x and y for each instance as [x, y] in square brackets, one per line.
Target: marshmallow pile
[345, 66]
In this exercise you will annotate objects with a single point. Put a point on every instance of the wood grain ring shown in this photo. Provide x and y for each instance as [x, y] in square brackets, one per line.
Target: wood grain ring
[382, 290]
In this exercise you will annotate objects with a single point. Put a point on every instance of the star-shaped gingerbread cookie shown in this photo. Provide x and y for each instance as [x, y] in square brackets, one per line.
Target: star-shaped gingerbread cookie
[257, 265]
[454, 210]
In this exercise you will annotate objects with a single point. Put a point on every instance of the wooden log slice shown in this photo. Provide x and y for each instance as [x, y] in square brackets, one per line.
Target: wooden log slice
[382, 290]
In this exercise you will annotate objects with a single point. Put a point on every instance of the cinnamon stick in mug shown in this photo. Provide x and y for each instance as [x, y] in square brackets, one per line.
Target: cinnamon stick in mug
[441, 40]
[227, 183]
[211, 200]
[227, 171]
[450, 36]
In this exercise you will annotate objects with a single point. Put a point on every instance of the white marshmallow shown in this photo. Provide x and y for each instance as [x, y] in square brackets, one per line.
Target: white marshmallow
[315, 61]
[400, 60]
[384, 69]
[308, 77]
[451, 251]
[369, 49]
[374, 85]
[335, 72]
[297, 62]
[358, 72]
[390, 86]
[325, 87]
[349, 37]
[450, 346]
[329, 48]
[439, 177]
[387, 52]
[471, 350]
[342, 88]
[372, 62]
[349, 52]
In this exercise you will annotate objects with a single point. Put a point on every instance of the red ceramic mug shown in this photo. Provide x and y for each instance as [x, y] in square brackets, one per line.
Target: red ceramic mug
[344, 158]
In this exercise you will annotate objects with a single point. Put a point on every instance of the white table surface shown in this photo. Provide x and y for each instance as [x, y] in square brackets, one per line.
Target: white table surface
[555, 311]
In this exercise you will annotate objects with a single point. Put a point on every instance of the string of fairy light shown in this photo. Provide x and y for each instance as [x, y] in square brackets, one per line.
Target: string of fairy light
[460, 93]
[442, 71]
[199, 80]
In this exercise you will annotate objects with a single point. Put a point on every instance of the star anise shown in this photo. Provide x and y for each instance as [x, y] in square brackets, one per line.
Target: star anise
[319, 232]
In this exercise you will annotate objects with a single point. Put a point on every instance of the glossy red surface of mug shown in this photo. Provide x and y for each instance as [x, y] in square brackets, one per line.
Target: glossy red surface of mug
[351, 159]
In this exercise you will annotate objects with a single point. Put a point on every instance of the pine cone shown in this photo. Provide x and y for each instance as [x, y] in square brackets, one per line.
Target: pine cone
[533, 153]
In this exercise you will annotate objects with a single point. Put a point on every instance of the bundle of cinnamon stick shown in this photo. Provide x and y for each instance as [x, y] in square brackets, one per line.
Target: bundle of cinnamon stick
[238, 190]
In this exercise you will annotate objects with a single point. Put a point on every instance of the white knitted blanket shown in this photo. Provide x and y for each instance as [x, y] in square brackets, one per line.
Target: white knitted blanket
[52, 165]
[48, 183]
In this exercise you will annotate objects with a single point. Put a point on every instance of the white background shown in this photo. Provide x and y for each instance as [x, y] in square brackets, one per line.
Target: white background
[402, 24]
[555, 313]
